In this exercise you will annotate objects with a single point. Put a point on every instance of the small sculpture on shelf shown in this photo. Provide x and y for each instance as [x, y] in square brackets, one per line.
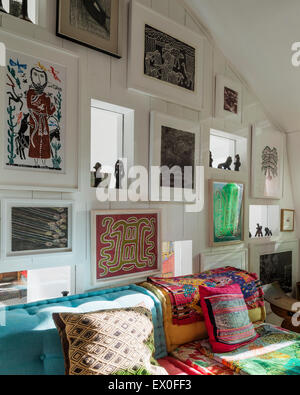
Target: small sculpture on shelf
[237, 163]
[97, 175]
[119, 174]
[227, 164]
[268, 232]
[250, 235]
[259, 232]
[65, 293]
[211, 161]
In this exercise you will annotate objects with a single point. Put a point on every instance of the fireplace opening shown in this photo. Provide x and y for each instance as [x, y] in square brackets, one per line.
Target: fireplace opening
[277, 267]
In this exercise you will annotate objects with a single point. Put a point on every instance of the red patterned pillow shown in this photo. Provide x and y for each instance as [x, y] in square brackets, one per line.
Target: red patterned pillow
[226, 318]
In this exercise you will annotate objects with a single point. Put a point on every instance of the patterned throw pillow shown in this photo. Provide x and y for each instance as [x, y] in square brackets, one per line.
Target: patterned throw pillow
[226, 318]
[112, 342]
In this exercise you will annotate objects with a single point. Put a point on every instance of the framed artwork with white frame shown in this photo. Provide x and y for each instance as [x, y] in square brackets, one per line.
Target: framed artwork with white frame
[228, 101]
[174, 145]
[40, 125]
[267, 161]
[166, 59]
[125, 245]
[37, 227]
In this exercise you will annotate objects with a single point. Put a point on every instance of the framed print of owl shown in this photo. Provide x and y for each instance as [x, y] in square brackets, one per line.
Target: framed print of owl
[267, 161]
[39, 107]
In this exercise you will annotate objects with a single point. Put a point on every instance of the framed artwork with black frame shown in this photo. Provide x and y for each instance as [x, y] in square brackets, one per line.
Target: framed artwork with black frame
[92, 23]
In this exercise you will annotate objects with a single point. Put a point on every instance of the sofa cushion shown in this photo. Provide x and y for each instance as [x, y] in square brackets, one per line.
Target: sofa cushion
[110, 342]
[30, 343]
[226, 318]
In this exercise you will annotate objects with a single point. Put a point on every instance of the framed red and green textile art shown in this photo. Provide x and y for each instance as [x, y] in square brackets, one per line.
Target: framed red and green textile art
[226, 212]
[125, 245]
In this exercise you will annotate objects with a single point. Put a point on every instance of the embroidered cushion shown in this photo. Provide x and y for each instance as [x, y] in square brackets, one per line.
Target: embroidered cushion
[112, 342]
[226, 318]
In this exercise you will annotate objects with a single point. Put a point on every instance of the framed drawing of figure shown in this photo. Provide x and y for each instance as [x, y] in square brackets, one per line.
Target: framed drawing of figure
[166, 59]
[92, 23]
[39, 107]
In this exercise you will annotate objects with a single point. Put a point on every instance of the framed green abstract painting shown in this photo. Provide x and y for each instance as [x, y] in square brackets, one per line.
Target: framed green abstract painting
[226, 212]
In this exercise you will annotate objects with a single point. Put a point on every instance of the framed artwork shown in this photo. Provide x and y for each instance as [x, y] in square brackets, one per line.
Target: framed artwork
[228, 99]
[168, 259]
[226, 212]
[125, 245]
[39, 124]
[92, 23]
[267, 162]
[174, 144]
[35, 114]
[166, 59]
[34, 227]
[287, 220]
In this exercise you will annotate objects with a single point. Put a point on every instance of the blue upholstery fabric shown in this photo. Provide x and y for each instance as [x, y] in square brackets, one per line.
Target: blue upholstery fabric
[29, 341]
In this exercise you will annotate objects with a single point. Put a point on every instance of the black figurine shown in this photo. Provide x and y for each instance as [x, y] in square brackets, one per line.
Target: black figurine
[97, 174]
[250, 235]
[237, 163]
[259, 232]
[119, 173]
[268, 232]
[227, 164]
[211, 161]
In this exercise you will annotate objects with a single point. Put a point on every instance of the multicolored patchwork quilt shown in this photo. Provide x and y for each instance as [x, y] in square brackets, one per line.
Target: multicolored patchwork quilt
[191, 356]
[184, 291]
[275, 352]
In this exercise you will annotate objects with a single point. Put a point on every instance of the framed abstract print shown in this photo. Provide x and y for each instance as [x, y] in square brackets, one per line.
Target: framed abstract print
[287, 220]
[267, 162]
[39, 100]
[166, 60]
[125, 245]
[92, 23]
[228, 102]
[35, 227]
[175, 149]
[226, 212]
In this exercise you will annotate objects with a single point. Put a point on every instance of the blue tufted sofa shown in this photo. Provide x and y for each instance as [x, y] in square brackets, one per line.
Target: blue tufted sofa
[29, 341]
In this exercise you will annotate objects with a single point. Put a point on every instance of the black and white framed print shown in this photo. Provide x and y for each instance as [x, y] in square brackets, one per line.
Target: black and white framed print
[166, 59]
[267, 161]
[175, 150]
[35, 227]
[92, 23]
[228, 100]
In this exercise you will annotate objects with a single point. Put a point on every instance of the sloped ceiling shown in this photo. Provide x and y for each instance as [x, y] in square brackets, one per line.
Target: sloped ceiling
[257, 36]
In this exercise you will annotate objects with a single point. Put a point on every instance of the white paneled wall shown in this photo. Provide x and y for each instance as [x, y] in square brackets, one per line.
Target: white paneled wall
[104, 78]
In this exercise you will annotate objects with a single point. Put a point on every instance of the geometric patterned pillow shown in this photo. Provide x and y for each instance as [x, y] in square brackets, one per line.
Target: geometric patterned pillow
[111, 342]
[226, 318]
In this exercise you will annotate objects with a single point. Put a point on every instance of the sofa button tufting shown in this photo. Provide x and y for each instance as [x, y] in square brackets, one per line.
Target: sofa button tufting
[42, 357]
